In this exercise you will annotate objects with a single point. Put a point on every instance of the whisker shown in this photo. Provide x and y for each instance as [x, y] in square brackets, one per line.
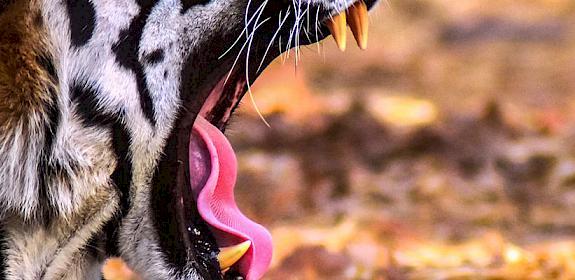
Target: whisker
[247, 68]
[241, 50]
[247, 13]
[317, 24]
[272, 40]
[302, 26]
[243, 31]
[306, 28]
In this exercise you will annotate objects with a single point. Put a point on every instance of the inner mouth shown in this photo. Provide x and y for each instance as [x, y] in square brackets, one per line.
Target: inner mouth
[213, 170]
[207, 190]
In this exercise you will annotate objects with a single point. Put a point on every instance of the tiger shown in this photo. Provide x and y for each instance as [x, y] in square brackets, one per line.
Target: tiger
[112, 114]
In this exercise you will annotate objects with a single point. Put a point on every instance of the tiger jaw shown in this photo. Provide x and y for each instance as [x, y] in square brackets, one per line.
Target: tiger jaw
[247, 246]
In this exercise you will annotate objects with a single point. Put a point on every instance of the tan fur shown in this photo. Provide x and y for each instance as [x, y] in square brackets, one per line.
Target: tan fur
[23, 83]
[57, 250]
[54, 249]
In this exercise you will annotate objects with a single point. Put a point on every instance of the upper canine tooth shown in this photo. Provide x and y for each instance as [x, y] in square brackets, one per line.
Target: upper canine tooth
[228, 256]
[337, 26]
[358, 21]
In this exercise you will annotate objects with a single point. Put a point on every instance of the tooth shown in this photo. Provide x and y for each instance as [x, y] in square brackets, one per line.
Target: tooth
[228, 256]
[358, 21]
[337, 26]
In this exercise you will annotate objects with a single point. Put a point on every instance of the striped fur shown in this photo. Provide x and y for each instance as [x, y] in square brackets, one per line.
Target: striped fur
[91, 95]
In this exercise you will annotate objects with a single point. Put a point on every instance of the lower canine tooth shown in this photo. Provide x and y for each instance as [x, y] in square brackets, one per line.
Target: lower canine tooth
[358, 21]
[228, 256]
[337, 26]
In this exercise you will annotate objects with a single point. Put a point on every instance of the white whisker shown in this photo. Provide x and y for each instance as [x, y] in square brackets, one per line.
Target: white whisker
[272, 40]
[246, 31]
[241, 50]
[317, 24]
[247, 66]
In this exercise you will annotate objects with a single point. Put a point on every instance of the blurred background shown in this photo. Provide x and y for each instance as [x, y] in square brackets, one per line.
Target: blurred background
[444, 151]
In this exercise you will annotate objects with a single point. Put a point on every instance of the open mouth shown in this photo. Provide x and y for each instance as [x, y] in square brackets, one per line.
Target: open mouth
[218, 239]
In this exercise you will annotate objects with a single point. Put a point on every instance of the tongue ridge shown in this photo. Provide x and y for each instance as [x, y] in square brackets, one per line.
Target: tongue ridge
[216, 202]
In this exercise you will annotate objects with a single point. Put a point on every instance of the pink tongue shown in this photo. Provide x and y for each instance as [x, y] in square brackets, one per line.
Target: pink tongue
[213, 169]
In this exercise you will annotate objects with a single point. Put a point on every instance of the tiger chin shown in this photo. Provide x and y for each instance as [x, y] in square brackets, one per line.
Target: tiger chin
[112, 115]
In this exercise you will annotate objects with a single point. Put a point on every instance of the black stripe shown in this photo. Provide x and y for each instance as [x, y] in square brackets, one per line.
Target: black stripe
[82, 16]
[164, 199]
[122, 176]
[52, 121]
[45, 61]
[89, 110]
[111, 230]
[88, 107]
[47, 169]
[52, 111]
[187, 4]
[3, 248]
[154, 57]
[126, 51]
[38, 20]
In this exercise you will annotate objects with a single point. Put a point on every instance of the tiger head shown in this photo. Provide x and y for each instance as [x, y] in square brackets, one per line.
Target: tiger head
[125, 150]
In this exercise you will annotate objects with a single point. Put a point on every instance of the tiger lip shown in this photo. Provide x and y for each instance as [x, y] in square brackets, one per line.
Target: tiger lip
[356, 17]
